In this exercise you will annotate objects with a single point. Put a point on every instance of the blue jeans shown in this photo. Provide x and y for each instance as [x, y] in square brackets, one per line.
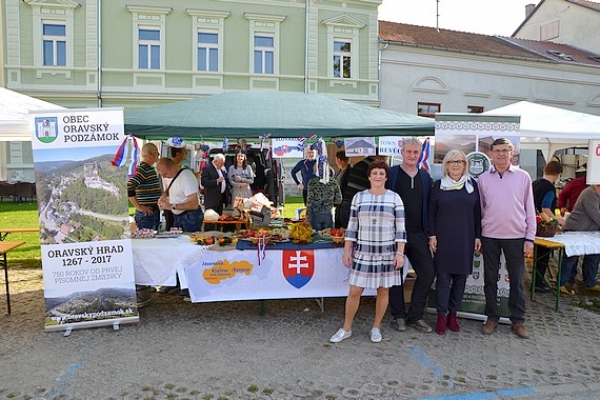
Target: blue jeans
[189, 221]
[589, 268]
[320, 221]
[515, 265]
[147, 221]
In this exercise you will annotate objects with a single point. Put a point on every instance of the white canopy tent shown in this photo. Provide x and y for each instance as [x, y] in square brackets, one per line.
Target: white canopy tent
[14, 122]
[549, 129]
[14, 115]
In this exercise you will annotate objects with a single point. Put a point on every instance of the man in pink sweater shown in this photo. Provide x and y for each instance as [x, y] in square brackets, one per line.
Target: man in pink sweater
[508, 225]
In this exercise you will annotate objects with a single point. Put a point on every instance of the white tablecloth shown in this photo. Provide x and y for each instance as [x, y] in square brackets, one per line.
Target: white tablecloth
[578, 243]
[157, 261]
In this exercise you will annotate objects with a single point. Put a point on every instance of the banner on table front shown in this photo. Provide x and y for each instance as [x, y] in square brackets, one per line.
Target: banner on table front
[83, 215]
[282, 274]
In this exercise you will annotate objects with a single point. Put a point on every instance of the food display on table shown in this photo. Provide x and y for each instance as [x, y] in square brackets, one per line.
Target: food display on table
[174, 232]
[143, 233]
[226, 240]
[301, 232]
[336, 235]
[228, 218]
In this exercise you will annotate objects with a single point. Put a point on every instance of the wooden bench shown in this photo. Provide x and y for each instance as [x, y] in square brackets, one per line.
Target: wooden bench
[5, 247]
[4, 232]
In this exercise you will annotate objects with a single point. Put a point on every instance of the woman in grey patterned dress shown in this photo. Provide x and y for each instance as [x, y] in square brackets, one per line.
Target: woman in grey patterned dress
[374, 248]
[240, 177]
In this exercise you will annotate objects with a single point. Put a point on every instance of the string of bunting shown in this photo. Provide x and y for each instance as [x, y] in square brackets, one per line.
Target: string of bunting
[338, 142]
[121, 156]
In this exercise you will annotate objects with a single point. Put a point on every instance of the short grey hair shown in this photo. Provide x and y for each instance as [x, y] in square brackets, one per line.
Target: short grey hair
[219, 156]
[408, 141]
[450, 155]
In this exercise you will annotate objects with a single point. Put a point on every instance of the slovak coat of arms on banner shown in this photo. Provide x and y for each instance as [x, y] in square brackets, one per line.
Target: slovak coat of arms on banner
[298, 266]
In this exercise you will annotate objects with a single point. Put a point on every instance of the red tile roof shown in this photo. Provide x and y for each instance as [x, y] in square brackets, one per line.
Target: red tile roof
[594, 5]
[464, 42]
[557, 51]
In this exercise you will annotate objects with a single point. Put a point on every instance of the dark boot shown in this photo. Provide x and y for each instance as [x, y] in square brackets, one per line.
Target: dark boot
[453, 323]
[440, 326]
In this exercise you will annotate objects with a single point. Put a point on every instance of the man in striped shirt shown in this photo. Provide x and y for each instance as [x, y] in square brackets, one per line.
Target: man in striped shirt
[143, 190]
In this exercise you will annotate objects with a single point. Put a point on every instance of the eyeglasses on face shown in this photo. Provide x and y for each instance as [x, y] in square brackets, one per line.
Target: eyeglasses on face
[502, 151]
[455, 162]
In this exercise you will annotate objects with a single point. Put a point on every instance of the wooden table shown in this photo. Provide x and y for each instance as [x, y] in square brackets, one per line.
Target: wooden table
[238, 224]
[5, 247]
[4, 232]
[550, 245]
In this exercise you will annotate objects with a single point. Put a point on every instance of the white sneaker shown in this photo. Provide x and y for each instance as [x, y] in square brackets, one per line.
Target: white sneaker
[376, 335]
[340, 335]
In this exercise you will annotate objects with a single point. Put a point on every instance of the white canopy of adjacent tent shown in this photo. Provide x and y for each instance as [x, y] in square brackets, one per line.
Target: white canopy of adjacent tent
[14, 121]
[550, 128]
[14, 115]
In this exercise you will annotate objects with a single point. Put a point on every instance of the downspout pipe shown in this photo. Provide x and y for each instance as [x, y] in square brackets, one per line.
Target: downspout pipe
[99, 71]
[382, 46]
[306, 30]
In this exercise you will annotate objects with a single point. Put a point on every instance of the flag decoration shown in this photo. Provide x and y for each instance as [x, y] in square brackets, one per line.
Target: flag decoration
[121, 156]
[262, 140]
[225, 144]
[424, 156]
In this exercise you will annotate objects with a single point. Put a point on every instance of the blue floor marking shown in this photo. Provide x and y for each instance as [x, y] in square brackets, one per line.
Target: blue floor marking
[516, 392]
[485, 395]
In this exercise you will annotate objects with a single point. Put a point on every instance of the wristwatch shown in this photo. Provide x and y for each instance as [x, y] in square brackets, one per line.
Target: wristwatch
[174, 207]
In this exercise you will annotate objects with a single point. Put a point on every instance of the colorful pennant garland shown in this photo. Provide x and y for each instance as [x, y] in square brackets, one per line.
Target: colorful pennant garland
[121, 156]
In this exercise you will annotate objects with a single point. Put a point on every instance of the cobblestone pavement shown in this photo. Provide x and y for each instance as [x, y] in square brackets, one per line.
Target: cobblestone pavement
[228, 350]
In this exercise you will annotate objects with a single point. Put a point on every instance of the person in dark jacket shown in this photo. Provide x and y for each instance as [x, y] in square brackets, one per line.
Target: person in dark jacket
[342, 210]
[455, 235]
[306, 168]
[545, 199]
[414, 186]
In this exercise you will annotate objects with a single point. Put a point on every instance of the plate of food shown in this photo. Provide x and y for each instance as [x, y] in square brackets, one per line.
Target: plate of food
[279, 239]
[170, 234]
[143, 233]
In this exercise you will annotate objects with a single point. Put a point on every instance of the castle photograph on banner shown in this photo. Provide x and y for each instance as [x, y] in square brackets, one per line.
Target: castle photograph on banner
[473, 134]
[83, 216]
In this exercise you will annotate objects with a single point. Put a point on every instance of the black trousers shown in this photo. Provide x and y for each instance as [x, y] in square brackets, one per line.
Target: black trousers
[417, 251]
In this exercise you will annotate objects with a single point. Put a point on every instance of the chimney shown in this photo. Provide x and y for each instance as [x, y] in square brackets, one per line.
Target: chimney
[529, 9]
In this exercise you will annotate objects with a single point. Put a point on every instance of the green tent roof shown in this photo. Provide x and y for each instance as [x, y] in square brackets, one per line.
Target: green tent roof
[283, 115]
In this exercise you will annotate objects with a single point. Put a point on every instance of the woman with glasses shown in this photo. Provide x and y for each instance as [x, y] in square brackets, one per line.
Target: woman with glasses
[455, 229]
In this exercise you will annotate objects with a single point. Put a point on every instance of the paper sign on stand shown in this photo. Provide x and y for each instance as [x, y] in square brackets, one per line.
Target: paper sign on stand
[87, 258]
[593, 163]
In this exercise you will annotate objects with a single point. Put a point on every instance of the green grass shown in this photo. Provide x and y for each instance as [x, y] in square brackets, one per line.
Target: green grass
[25, 215]
[22, 215]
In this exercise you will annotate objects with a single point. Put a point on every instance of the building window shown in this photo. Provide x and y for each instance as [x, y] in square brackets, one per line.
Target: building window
[474, 109]
[264, 54]
[208, 51]
[149, 27]
[264, 43]
[149, 48]
[549, 30]
[342, 59]
[428, 109]
[54, 39]
[343, 46]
